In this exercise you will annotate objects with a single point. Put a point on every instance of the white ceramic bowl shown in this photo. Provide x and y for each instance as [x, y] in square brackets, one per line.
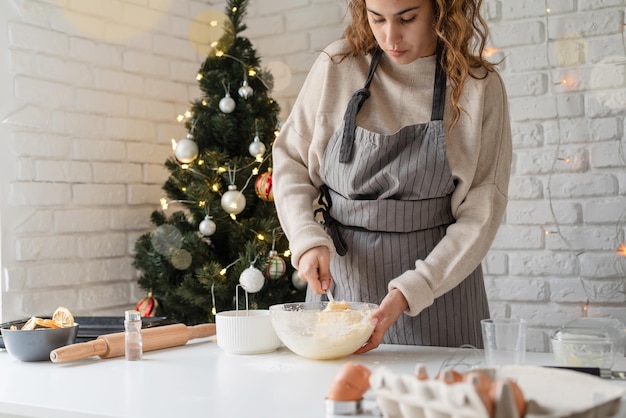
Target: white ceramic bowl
[310, 331]
[246, 332]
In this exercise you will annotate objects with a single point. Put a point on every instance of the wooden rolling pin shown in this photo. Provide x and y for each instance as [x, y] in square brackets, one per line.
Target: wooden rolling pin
[112, 345]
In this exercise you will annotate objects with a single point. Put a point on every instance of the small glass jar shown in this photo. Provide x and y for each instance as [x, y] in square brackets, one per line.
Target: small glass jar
[133, 345]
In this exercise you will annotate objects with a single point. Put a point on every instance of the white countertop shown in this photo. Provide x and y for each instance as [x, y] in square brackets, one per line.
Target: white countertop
[201, 380]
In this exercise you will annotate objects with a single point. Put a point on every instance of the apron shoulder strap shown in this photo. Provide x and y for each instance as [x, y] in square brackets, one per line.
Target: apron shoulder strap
[349, 118]
[439, 90]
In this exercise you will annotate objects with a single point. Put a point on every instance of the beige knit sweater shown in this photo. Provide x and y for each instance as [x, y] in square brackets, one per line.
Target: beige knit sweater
[478, 147]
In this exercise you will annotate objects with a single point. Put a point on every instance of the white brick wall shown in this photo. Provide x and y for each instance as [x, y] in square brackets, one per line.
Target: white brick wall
[94, 93]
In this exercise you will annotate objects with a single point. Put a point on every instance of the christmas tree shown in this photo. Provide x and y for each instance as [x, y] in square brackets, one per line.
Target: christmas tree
[224, 248]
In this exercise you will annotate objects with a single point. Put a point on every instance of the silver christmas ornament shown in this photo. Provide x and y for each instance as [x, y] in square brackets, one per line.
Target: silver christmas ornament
[186, 150]
[245, 90]
[257, 148]
[207, 227]
[233, 201]
[252, 280]
[227, 104]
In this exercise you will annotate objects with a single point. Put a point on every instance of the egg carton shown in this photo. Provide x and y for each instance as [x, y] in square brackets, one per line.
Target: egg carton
[405, 396]
[550, 393]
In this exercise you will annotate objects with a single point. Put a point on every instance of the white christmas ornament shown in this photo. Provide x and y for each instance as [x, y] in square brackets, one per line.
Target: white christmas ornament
[227, 104]
[252, 280]
[186, 150]
[245, 90]
[233, 201]
[297, 282]
[207, 227]
[256, 148]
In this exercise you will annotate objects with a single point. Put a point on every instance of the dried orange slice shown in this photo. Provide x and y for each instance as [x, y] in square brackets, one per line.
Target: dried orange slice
[48, 323]
[63, 317]
[30, 324]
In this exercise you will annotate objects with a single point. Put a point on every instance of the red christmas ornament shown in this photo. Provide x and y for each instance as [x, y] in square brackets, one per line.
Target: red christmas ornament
[263, 186]
[147, 306]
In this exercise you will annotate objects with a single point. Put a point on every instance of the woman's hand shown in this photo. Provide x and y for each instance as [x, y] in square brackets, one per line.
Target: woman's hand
[390, 309]
[314, 268]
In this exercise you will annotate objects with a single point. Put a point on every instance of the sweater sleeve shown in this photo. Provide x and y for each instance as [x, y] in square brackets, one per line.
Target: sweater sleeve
[296, 168]
[480, 159]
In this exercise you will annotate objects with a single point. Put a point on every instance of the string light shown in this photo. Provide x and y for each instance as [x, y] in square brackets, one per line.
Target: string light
[567, 81]
[287, 253]
[199, 77]
[164, 204]
[490, 51]
[260, 237]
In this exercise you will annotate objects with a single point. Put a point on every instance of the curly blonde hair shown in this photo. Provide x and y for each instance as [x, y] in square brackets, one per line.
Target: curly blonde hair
[461, 32]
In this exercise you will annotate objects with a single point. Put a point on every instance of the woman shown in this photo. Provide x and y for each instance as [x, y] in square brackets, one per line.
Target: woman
[401, 133]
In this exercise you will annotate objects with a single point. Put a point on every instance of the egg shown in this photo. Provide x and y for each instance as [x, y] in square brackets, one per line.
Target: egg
[516, 391]
[421, 372]
[483, 386]
[450, 376]
[350, 383]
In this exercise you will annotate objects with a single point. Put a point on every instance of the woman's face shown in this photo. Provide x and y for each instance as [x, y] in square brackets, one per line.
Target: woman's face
[403, 28]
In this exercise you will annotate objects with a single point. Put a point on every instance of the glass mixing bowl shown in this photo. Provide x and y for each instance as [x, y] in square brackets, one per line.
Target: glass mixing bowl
[318, 331]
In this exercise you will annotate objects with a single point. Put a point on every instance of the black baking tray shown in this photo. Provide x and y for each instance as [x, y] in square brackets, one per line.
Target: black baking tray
[91, 327]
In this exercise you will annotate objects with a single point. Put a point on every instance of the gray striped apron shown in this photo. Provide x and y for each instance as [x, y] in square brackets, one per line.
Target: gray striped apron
[388, 204]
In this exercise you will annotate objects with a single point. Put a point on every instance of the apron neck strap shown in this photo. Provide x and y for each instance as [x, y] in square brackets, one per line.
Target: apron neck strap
[349, 118]
[439, 91]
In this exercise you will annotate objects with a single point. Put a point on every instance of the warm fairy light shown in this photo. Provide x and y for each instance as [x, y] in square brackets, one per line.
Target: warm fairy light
[565, 160]
[164, 203]
[173, 144]
[490, 51]
[221, 170]
[201, 203]
[234, 10]
[223, 272]
[219, 53]
[233, 217]
[199, 77]
[200, 162]
[205, 103]
[259, 159]
[213, 44]
[215, 187]
[548, 232]
[213, 311]
[251, 72]
[184, 189]
[180, 118]
[621, 250]
[188, 114]
[548, 10]
[585, 309]
[213, 23]
[260, 237]
[184, 166]
[255, 170]
[276, 132]
[287, 253]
